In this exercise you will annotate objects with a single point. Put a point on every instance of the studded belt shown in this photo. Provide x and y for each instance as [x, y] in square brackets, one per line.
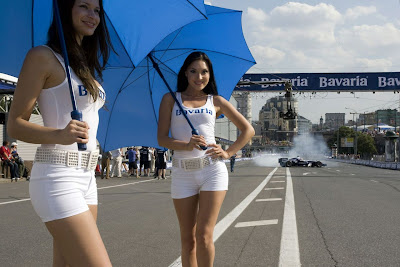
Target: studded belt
[69, 158]
[193, 164]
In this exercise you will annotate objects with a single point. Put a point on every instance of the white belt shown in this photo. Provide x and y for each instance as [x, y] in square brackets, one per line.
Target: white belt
[69, 158]
[193, 164]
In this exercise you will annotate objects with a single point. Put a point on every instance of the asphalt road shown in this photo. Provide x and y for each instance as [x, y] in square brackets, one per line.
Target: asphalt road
[340, 215]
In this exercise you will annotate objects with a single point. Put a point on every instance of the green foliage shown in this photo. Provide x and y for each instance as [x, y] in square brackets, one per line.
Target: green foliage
[365, 145]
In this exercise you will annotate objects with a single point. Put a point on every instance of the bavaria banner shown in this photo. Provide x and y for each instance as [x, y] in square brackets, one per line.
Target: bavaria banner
[334, 82]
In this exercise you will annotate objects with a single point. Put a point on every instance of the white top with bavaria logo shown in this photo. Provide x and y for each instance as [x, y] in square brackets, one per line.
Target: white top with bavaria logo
[202, 118]
[55, 106]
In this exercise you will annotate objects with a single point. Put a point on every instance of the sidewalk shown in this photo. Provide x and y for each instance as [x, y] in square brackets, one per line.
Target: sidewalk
[8, 180]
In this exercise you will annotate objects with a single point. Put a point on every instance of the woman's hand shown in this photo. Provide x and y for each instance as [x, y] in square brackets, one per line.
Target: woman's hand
[217, 152]
[75, 131]
[196, 141]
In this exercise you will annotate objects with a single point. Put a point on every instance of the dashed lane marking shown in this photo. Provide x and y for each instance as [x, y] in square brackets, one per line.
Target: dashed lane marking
[256, 223]
[274, 188]
[268, 199]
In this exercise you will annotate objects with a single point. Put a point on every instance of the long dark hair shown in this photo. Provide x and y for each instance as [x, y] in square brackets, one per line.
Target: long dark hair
[84, 58]
[211, 87]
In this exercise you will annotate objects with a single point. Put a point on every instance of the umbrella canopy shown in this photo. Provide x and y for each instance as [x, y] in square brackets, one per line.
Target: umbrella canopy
[135, 27]
[132, 113]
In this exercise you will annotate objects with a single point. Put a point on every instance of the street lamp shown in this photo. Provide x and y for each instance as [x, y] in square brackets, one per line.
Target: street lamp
[337, 132]
[355, 145]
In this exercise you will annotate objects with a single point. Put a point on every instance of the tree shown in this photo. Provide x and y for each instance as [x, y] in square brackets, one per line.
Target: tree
[366, 145]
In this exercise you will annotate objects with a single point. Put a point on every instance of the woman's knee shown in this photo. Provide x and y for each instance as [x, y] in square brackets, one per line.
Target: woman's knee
[204, 236]
[188, 241]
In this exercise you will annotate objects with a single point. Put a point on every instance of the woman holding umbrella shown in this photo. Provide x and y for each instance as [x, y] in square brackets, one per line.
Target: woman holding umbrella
[199, 178]
[63, 188]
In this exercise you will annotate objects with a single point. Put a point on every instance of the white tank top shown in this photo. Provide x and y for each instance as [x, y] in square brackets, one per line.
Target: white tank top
[202, 118]
[55, 106]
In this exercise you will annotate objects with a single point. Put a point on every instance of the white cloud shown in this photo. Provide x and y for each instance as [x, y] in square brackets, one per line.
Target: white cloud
[267, 54]
[208, 3]
[383, 64]
[256, 15]
[298, 37]
[358, 11]
[372, 36]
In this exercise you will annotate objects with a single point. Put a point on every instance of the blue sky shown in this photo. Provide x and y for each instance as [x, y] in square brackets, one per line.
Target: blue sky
[329, 36]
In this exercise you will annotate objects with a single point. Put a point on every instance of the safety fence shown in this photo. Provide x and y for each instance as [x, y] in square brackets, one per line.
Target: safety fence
[372, 163]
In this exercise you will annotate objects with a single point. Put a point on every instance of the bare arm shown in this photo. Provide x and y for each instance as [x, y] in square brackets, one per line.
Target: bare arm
[36, 70]
[164, 124]
[246, 130]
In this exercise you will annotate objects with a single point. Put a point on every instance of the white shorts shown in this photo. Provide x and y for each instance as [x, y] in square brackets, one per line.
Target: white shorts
[189, 183]
[59, 192]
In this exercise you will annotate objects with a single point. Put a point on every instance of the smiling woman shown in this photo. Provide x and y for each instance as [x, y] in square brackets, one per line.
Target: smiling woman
[199, 177]
[63, 191]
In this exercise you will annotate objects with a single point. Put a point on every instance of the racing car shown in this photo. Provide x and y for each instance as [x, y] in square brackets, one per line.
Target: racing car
[289, 162]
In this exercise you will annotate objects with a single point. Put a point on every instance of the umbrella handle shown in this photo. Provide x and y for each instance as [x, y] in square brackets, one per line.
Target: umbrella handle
[75, 114]
[196, 132]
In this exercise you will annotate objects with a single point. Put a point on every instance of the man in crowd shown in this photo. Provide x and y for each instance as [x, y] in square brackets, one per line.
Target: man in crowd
[132, 159]
[7, 159]
[161, 163]
[18, 160]
[144, 161]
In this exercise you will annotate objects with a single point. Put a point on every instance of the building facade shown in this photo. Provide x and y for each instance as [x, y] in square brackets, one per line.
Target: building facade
[273, 127]
[335, 120]
[304, 125]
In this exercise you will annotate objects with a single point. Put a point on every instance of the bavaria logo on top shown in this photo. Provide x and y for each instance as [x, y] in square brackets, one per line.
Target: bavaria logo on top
[178, 112]
[84, 92]
[385, 81]
[296, 82]
[336, 82]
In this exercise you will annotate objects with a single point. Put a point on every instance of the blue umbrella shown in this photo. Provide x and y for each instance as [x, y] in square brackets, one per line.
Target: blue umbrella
[133, 109]
[135, 27]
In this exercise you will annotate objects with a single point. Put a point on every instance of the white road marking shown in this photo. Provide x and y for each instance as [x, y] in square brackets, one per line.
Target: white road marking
[289, 252]
[119, 185]
[374, 181]
[274, 188]
[15, 201]
[338, 170]
[256, 223]
[106, 187]
[223, 224]
[306, 173]
[277, 182]
[268, 199]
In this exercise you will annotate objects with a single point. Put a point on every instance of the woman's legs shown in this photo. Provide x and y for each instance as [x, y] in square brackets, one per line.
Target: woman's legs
[186, 210]
[210, 203]
[77, 240]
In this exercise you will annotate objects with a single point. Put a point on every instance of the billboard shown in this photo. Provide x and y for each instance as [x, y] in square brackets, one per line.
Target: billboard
[347, 142]
[311, 82]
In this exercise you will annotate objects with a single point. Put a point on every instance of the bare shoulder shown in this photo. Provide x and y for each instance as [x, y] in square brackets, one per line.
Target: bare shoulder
[220, 101]
[168, 99]
[41, 57]
[40, 53]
